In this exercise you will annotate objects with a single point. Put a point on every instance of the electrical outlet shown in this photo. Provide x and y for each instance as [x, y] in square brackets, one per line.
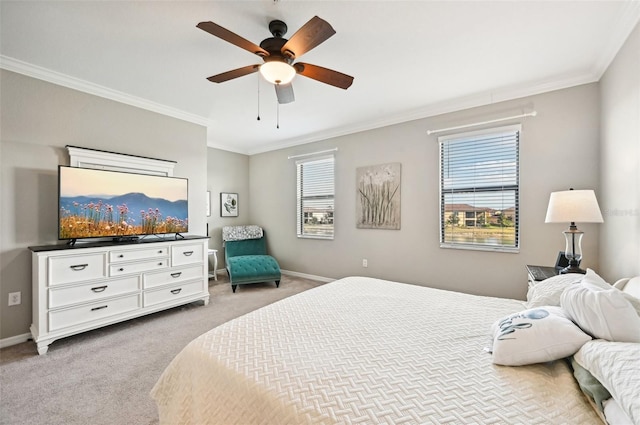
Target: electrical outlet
[15, 298]
[365, 263]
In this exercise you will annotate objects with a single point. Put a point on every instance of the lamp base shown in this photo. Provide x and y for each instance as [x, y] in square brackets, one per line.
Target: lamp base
[572, 269]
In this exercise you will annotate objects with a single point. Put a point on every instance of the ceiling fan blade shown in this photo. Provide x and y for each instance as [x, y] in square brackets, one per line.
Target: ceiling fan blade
[235, 73]
[233, 38]
[314, 32]
[324, 75]
[285, 93]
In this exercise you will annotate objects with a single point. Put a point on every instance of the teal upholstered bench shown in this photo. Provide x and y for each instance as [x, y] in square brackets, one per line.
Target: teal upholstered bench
[247, 262]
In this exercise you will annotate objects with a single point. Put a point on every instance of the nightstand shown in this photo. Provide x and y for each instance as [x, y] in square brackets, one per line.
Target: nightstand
[536, 274]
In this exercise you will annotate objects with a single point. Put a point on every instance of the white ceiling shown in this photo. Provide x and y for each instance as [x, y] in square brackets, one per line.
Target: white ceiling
[410, 59]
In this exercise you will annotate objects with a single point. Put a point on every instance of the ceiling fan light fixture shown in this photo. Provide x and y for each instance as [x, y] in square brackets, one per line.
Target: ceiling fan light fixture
[277, 72]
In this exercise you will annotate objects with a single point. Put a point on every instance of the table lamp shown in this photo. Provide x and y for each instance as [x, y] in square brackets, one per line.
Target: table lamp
[573, 206]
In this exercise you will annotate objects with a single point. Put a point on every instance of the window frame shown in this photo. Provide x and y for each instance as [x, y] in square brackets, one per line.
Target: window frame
[476, 136]
[300, 213]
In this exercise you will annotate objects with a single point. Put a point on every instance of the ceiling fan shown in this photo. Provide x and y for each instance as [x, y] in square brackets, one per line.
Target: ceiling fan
[279, 54]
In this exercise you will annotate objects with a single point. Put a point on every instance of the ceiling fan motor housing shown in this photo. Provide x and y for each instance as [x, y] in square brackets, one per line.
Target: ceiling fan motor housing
[274, 45]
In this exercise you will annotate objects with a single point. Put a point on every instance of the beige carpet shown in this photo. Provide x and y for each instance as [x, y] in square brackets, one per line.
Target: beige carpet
[104, 376]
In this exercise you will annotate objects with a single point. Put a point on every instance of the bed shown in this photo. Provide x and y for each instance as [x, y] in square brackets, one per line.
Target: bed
[368, 351]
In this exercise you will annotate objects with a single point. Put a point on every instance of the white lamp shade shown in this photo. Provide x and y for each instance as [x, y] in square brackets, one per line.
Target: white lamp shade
[277, 72]
[580, 206]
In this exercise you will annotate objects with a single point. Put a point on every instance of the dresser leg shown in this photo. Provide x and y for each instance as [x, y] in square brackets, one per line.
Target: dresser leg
[42, 348]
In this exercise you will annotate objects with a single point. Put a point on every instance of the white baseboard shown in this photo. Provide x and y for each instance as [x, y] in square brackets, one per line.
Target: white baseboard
[297, 274]
[14, 340]
[307, 276]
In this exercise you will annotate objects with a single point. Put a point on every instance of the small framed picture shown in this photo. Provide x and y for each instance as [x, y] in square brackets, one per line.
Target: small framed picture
[228, 204]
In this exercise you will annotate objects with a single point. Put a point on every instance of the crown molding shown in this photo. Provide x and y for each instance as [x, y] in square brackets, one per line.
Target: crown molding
[480, 99]
[227, 148]
[454, 105]
[15, 65]
[628, 19]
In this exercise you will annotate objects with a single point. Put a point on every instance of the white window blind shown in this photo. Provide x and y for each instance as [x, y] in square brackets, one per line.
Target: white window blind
[479, 189]
[315, 197]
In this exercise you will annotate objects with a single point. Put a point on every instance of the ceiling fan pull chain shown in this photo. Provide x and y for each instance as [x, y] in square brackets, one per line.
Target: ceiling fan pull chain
[258, 97]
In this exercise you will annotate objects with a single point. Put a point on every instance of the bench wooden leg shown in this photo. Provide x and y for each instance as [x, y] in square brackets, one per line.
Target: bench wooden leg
[233, 287]
[277, 283]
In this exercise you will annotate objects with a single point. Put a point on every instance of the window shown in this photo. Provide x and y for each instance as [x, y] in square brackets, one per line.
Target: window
[315, 197]
[479, 189]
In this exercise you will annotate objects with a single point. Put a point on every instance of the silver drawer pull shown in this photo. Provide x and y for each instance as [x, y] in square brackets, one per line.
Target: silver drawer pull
[99, 308]
[187, 253]
[99, 288]
[176, 291]
[78, 267]
[177, 274]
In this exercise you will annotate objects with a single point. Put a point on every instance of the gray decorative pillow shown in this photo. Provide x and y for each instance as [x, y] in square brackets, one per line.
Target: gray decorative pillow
[548, 291]
[240, 233]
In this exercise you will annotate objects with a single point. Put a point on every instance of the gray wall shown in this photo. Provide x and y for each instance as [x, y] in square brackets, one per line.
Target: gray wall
[559, 149]
[38, 120]
[226, 172]
[620, 163]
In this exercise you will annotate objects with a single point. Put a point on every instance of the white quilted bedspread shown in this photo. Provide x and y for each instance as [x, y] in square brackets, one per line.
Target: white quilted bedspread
[364, 351]
[617, 366]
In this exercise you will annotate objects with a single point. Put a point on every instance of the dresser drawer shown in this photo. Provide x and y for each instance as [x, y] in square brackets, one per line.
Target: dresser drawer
[160, 296]
[76, 268]
[187, 254]
[139, 267]
[151, 280]
[138, 254]
[59, 319]
[60, 297]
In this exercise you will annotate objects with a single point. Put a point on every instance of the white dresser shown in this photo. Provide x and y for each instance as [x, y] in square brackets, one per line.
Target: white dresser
[83, 287]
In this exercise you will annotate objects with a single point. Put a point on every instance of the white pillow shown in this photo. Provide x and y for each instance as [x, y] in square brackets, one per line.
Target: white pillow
[592, 278]
[537, 335]
[548, 291]
[602, 313]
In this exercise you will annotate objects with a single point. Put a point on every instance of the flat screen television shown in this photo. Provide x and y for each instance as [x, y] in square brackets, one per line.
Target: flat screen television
[124, 206]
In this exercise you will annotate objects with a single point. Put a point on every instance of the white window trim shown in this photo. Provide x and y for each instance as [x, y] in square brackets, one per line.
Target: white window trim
[308, 159]
[471, 247]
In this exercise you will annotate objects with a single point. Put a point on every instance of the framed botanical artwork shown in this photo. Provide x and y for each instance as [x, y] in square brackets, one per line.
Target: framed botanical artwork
[228, 204]
[378, 196]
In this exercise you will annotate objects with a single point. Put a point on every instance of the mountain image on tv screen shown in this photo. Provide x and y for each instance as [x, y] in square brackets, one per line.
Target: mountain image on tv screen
[99, 203]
